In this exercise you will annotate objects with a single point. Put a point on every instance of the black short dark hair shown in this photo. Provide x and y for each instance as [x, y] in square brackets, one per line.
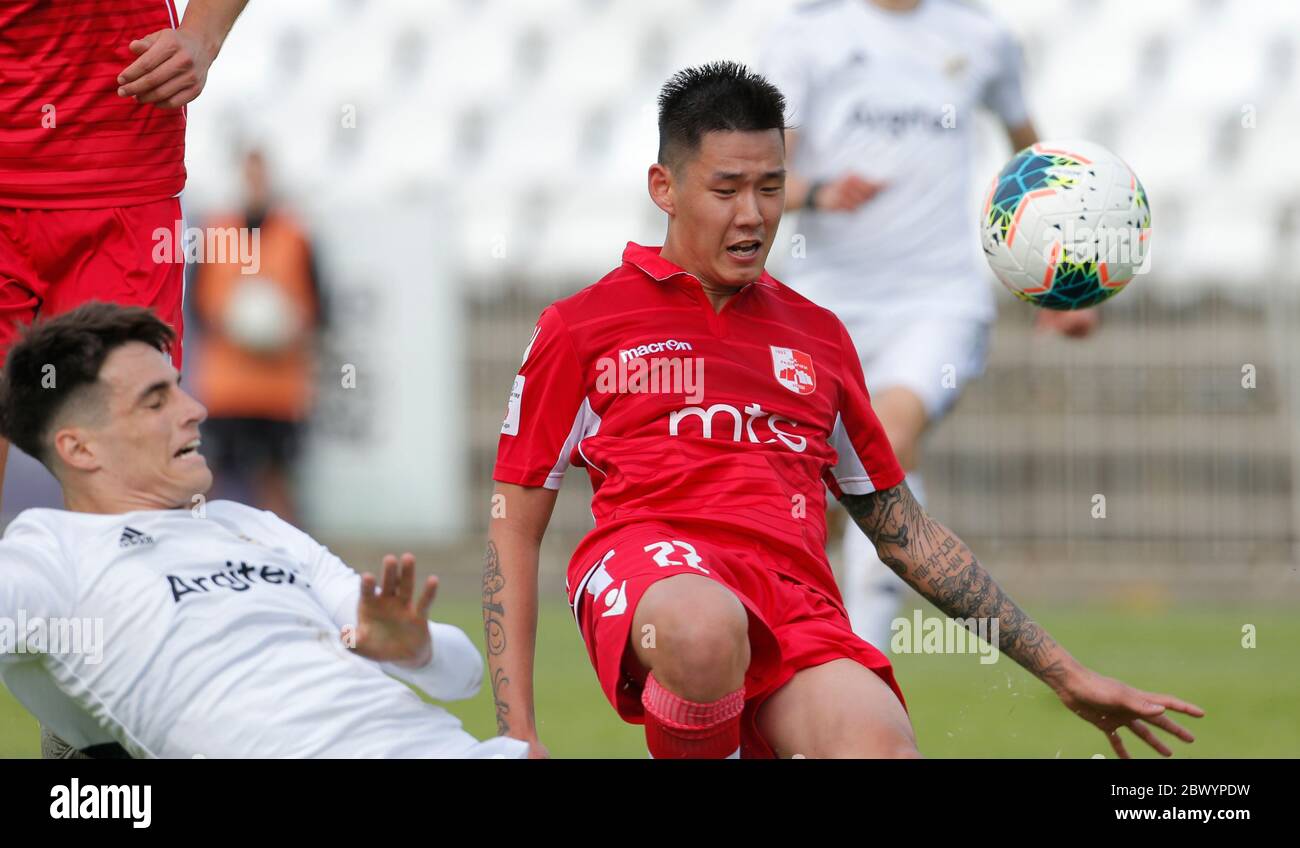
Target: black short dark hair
[718, 96]
[56, 360]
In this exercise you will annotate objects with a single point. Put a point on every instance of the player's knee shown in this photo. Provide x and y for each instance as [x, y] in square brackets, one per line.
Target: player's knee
[709, 648]
[696, 638]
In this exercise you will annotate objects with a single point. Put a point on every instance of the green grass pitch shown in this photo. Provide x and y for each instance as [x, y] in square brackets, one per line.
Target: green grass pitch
[960, 708]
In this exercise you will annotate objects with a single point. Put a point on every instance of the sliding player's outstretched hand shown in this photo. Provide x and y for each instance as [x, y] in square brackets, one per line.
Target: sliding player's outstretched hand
[1111, 704]
[391, 625]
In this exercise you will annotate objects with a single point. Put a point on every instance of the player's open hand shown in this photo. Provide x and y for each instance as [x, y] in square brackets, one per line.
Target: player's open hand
[171, 69]
[1111, 704]
[391, 625]
[846, 193]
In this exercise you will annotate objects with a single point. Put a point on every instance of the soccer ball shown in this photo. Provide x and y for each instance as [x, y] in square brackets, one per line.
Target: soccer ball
[260, 318]
[1066, 224]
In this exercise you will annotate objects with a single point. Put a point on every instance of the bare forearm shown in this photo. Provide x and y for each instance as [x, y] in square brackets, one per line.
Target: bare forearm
[936, 563]
[510, 628]
[796, 186]
[1022, 135]
[211, 21]
[796, 191]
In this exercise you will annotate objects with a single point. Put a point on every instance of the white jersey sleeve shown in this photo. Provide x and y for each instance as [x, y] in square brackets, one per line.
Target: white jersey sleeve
[36, 584]
[453, 673]
[1005, 93]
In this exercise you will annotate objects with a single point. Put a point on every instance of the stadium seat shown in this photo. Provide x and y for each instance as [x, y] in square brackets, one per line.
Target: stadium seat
[543, 100]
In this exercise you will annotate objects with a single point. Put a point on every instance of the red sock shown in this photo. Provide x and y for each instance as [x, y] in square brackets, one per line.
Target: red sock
[679, 729]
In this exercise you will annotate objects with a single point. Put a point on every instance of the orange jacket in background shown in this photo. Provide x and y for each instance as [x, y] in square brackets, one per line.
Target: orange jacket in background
[232, 381]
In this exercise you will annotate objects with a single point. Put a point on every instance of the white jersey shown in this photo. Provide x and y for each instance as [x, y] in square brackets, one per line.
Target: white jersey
[217, 636]
[892, 96]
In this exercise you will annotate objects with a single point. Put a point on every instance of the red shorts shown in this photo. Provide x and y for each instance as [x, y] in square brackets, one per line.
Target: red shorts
[791, 625]
[54, 260]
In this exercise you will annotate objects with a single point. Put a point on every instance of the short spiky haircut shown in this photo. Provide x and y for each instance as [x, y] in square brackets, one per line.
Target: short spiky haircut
[57, 360]
[719, 96]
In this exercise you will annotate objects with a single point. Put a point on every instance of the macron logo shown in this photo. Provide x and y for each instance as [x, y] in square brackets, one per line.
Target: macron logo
[653, 347]
[132, 537]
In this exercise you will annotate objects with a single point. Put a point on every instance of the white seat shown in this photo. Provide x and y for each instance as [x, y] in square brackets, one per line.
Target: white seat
[1222, 60]
[1268, 167]
[1143, 19]
[473, 64]
[535, 142]
[564, 205]
[1231, 240]
[1168, 145]
[587, 232]
[592, 64]
[1073, 88]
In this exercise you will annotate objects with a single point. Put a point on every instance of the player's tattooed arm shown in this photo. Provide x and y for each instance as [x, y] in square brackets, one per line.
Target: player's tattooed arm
[933, 561]
[494, 631]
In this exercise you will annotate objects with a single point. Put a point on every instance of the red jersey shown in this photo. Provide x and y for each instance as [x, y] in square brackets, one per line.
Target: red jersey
[67, 140]
[779, 409]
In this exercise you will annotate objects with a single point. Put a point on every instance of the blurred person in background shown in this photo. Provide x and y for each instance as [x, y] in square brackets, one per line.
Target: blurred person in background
[881, 96]
[255, 363]
[92, 152]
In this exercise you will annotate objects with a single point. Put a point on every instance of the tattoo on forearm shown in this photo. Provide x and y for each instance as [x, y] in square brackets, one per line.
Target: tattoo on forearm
[500, 682]
[934, 562]
[494, 630]
[494, 581]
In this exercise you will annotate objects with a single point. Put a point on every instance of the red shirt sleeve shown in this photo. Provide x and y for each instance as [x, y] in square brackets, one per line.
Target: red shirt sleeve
[865, 460]
[545, 412]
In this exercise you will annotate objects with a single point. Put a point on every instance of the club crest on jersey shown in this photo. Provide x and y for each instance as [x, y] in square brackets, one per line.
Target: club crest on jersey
[794, 370]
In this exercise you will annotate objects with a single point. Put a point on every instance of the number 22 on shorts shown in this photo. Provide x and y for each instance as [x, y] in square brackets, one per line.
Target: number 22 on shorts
[663, 550]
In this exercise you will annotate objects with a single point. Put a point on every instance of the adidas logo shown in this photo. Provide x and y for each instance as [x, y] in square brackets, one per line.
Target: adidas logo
[132, 537]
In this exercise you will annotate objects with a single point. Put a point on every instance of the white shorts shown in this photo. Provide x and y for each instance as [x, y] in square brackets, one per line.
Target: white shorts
[932, 353]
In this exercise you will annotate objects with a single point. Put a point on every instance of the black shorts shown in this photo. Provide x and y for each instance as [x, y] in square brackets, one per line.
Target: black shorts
[244, 445]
